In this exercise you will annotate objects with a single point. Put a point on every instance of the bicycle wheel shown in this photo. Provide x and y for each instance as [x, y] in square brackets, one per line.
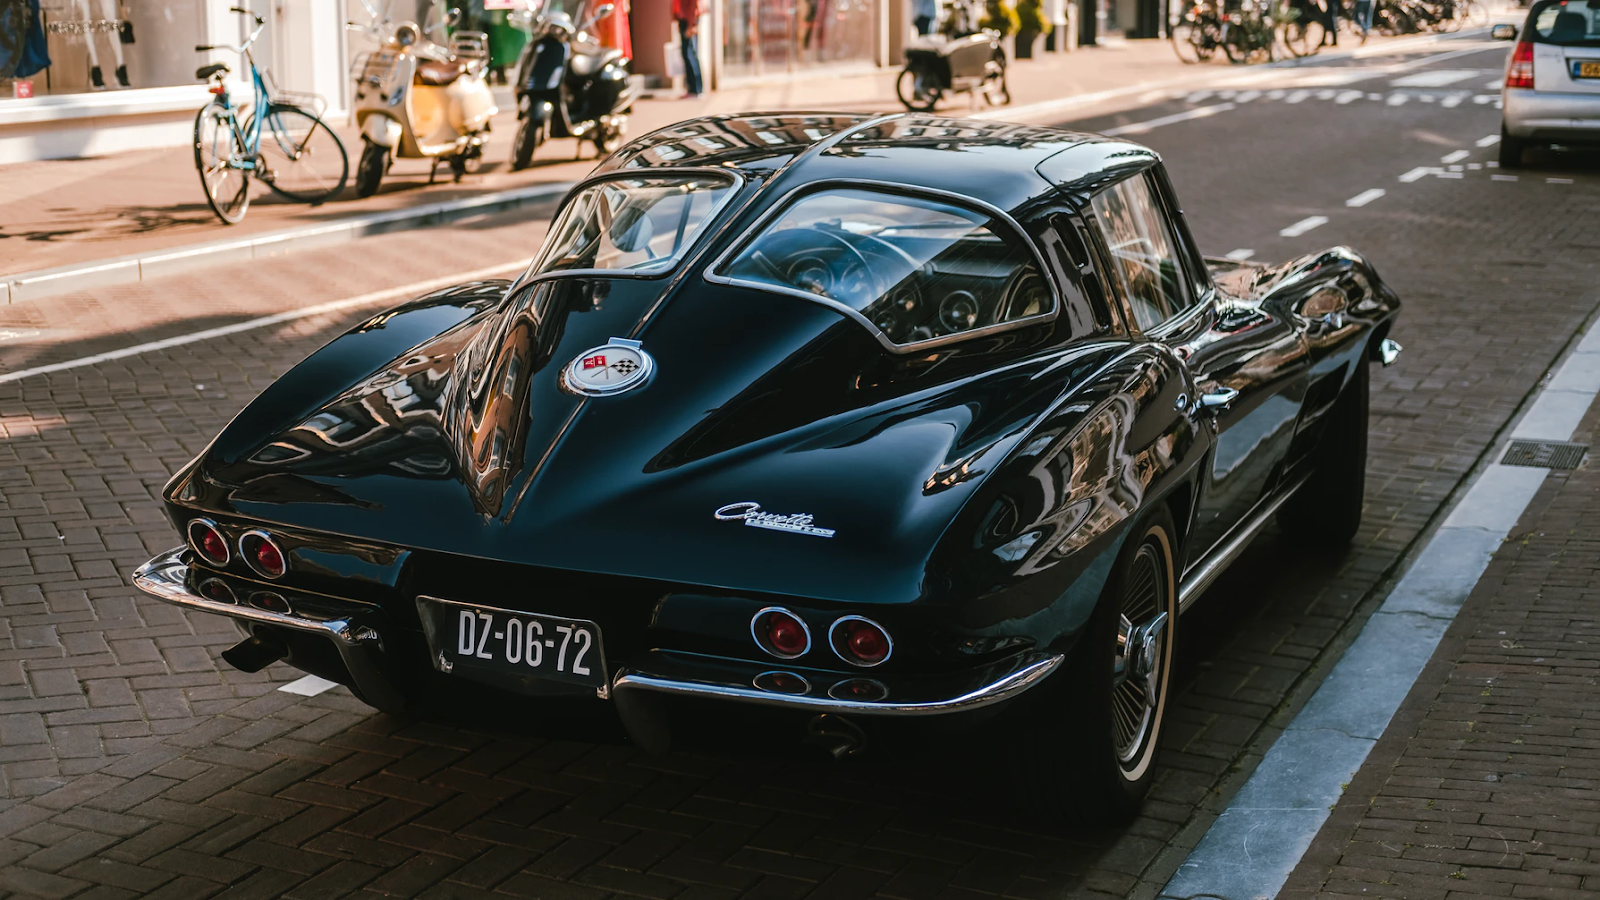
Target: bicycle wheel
[1185, 42]
[217, 153]
[301, 159]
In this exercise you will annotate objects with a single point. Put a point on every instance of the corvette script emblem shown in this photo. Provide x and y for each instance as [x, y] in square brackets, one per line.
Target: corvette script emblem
[611, 368]
[751, 514]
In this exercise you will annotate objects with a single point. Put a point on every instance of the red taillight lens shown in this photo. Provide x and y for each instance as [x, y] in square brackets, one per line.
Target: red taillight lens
[263, 554]
[780, 633]
[861, 641]
[208, 542]
[1519, 72]
[217, 591]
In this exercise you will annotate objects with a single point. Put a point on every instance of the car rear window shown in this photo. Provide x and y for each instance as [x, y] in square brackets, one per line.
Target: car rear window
[1564, 23]
[917, 269]
[640, 225]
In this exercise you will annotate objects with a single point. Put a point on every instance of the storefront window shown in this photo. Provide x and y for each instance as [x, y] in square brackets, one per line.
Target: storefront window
[766, 37]
[72, 46]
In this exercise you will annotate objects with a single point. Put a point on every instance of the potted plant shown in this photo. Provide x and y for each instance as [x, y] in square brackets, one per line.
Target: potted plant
[1030, 24]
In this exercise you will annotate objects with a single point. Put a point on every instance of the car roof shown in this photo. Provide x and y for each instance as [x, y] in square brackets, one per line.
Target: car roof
[1003, 163]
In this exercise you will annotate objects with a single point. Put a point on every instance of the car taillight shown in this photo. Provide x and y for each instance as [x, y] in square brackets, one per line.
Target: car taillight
[781, 633]
[208, 542]
[1519, 73]
[860, 642]
[214, 590]
[263, 554]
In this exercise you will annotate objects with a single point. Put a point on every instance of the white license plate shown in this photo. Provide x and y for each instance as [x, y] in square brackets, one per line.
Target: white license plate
[516, 644]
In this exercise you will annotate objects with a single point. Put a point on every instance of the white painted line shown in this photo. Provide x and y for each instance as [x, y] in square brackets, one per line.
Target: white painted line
[1365, 197]
[1255, 844]
[1474, 167]
[1398, 99]
[1304, 225]
[1297, 96]
[1435, 78]
[309, 686]
[1240, 254]
[1558, 181]
[1452, 101]
[1450, 174]
[1197, 96]
[1142, 127]
[1247, 96]
[1492, 164]
[1455, 156]
[1374, 96]
[1499, 177]
[1489, 141]
[1416, 173]
[409, 290]
[1347, 96]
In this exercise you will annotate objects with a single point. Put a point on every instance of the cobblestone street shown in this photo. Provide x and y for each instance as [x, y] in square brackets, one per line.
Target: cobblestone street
[134, 763]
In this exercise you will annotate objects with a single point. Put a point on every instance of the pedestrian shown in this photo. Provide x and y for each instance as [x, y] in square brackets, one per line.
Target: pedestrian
[1332, 22]
[1364, 16]
[924, 13]
[687, 12]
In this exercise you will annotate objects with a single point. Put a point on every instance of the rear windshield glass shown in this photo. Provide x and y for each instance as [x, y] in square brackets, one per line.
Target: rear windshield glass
[641, 225]
[1569, 24]
[916, 268]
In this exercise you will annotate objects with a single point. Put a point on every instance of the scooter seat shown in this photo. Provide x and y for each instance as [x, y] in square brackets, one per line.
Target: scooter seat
[586, 64]
[439, 74]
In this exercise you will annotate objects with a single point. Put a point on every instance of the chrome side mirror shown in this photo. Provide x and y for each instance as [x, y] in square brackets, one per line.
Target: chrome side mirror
[1503, 32]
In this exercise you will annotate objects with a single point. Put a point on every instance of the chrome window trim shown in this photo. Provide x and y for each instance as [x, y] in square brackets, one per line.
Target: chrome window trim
[771, 651]
[834, 645]
[250, 561]
[194, 545]
[712, 272]
[737, 182]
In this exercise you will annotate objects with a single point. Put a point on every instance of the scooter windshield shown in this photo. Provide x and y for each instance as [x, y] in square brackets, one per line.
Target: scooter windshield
[637, 225]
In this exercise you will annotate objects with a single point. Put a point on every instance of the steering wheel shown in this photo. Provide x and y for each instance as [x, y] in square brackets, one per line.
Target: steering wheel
[817, 261]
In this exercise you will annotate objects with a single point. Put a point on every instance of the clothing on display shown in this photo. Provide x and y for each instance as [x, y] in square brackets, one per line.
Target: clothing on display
[23, 49]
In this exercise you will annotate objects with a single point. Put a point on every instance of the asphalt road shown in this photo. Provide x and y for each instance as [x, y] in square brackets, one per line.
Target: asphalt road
[134, 763]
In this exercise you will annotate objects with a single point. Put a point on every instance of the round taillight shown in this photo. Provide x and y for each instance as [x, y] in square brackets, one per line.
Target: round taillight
[860, 642]
[263, 554]
[863, 689]
[208, 541]
[781, 633]
[782, 683]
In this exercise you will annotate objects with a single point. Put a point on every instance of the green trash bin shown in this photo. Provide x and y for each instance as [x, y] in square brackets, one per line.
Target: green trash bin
[505, 44]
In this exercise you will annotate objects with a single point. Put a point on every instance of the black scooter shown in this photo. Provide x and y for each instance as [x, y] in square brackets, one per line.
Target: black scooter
[962, 58]
[570, 86]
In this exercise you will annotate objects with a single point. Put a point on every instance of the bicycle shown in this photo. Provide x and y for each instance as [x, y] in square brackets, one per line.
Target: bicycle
[296, 162]
[1250, 34]
[1198, 34]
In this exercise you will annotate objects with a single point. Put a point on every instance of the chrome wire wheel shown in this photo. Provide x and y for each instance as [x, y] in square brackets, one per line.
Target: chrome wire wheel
[1143, 655]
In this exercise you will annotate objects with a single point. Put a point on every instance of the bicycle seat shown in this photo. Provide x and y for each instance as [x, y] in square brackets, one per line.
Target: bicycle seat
[439, 74]
[205, 72]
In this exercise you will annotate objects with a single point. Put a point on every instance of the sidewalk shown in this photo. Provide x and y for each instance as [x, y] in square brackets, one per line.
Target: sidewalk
[71, 212]
[1485, 782]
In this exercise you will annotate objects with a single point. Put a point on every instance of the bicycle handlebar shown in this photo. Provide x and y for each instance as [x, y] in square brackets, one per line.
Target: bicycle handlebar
[260, 25]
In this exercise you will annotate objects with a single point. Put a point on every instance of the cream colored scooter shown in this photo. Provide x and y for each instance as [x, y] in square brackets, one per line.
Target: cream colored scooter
[416, 99]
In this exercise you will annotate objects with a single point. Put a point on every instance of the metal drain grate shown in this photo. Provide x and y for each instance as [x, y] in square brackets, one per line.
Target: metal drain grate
[1545, 454]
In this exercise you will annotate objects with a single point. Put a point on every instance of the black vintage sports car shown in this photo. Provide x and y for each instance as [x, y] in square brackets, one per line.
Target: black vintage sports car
[858, 423]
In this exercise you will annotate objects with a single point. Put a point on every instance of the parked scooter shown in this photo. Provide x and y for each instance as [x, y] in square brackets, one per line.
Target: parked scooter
[569, 86]
[416, 99]
[961, 58]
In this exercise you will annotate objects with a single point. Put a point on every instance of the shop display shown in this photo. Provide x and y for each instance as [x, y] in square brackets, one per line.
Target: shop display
[23, 51]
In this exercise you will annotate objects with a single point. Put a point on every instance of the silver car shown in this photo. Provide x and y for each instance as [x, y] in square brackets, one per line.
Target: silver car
[1552, 85]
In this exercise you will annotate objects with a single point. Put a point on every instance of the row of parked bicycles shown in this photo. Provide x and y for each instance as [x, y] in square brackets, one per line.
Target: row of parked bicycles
[1252, 31]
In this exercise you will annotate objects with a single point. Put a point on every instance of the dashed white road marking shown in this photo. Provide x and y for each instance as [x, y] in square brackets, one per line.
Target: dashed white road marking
[1455, 156]
[309, 686]
[1489, 141]
[1304, 225]
[1499, 177]
[1365, 197]
[1415, 174]
[1374, 96]
[1435, 78]
[1141, 127]
[1348, 96]
[1452, 101]
[1247, 96]
[1240, 254]
[1297, 96]
[1450, 174]
[1398, 99]
[1558, 181]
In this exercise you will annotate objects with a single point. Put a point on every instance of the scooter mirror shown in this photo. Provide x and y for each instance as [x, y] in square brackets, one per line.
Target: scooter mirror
[632, 230]
[453, 17]
[600, 12]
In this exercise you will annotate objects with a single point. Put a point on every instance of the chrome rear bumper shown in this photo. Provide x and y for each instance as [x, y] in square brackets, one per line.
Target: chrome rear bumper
[358, 632]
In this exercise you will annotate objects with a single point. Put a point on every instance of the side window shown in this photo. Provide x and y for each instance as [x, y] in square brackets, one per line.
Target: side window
[1146, 264]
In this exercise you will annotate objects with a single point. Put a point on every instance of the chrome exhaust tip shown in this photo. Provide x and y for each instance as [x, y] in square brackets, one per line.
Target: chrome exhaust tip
[837, 736]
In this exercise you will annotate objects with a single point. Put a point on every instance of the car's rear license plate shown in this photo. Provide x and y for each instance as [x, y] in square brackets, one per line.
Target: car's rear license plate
[1586, 68]
[517, 644]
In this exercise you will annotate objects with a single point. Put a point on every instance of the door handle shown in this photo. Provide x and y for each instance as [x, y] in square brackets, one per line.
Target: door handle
[1219, 399]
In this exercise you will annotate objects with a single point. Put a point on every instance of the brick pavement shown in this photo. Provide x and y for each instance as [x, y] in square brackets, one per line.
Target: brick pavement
[170, 773]
[1484, 784]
